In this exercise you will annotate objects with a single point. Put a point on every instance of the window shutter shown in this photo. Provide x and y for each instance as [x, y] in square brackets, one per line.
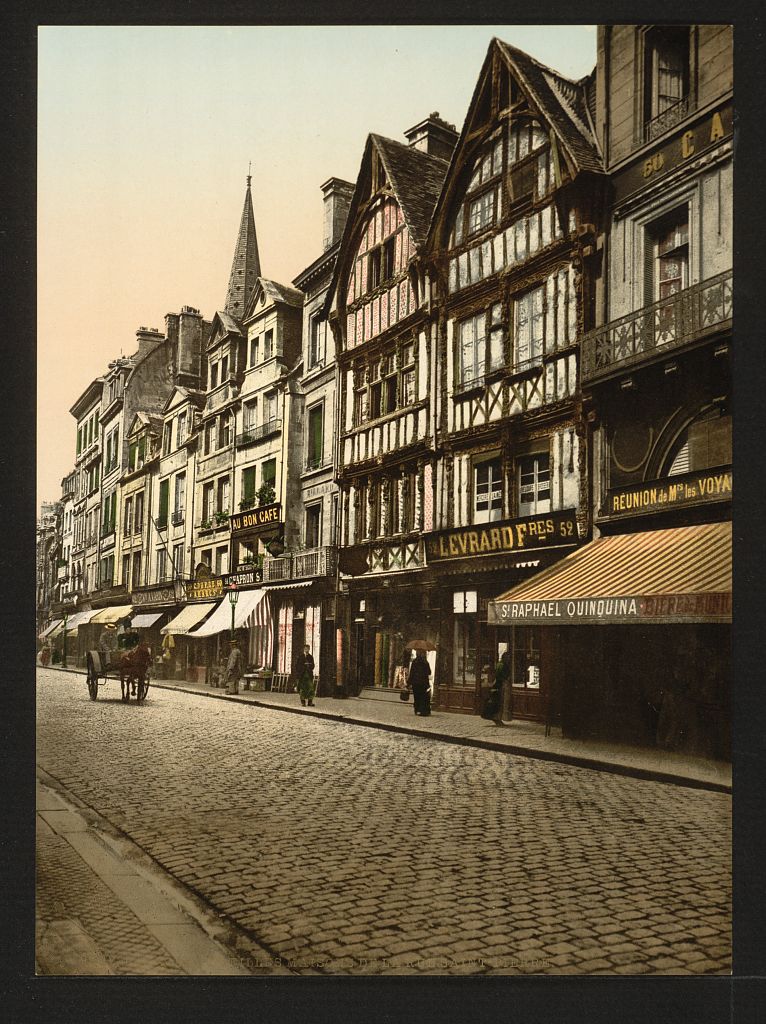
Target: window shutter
[649, 263]
[164, 489]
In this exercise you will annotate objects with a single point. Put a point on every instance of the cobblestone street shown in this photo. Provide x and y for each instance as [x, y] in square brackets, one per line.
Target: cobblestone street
[344, 849]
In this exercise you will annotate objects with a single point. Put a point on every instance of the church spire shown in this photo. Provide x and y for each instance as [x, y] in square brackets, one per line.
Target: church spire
[246, 266]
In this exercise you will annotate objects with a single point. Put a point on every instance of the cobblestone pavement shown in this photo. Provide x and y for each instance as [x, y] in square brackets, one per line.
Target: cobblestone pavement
[345, 849]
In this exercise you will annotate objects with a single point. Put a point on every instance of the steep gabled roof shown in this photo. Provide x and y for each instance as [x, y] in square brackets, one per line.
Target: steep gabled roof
[416, 179]
[227, 324]
[273, 291]
[562, 103]
[145, 419]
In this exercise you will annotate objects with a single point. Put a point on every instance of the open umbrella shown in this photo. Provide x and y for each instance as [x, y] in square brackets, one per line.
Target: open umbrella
[420, 645]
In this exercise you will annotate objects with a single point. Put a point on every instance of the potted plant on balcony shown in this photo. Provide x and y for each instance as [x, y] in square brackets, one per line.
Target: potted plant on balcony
[206, 524]
[222, 517]
[246, 503]
[266, 494]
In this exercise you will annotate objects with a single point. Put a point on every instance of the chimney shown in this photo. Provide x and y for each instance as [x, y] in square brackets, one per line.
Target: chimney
[148, 338]
[337, 200]
[433, 136]
[189, 342]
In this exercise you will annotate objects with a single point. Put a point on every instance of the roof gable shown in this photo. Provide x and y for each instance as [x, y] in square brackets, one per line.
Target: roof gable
[223, 325]
[268, 292]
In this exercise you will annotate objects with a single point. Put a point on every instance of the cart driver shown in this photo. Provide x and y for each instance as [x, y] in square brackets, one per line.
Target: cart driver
[107, 642]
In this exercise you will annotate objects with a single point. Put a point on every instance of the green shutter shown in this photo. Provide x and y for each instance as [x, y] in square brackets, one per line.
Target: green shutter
[248, 483]
[164, 492]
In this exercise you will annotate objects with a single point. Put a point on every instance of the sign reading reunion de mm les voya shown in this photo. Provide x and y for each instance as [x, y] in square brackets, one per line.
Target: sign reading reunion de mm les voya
[699, 488]
[554, 529]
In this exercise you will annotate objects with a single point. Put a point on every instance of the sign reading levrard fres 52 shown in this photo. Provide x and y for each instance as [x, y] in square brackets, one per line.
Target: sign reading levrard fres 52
[546, 531]
[260, 518]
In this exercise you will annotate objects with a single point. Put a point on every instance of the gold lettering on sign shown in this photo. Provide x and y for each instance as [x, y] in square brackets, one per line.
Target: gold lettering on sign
[687, 144]
[654, 163]
[716, 128]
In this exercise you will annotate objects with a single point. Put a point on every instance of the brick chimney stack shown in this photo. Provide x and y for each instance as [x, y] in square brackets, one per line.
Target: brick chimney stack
[433, 136]
[337, 200]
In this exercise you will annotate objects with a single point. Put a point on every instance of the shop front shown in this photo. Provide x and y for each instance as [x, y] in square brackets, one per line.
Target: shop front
[243, 611]
[635, 637]
[471, 566]
[304, 612]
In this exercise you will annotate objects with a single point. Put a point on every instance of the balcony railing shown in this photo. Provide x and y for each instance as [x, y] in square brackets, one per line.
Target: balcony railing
[252, 435]
[301, 565]
[177, 518]
[666, 120]
[691, 314]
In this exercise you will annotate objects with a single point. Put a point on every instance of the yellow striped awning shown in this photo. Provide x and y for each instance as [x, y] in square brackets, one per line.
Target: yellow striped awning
[113, 614]
[661, 576]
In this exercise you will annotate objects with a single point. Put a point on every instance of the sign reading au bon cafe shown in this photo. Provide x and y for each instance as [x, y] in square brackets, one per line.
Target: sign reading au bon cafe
[262, 517]
[660, 608]
[527, 534]
[658, 495]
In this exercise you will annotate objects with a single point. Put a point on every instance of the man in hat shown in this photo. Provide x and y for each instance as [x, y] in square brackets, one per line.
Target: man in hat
[107, 642]
[234, 667]
[307, 686]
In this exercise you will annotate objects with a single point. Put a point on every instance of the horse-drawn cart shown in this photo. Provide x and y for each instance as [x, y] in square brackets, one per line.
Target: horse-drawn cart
[130, 667]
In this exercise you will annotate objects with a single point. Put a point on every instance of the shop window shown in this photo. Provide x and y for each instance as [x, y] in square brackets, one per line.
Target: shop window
[534, 484]
[666, 78]
[313, 532]
[488, 491]
[465, 602]
[526, 658]
[464, 659]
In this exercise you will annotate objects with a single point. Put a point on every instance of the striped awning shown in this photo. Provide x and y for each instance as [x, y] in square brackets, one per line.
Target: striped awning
[188, 617]
[660, 576]
[114, 614]
[49, 629]
[220, 620]
[72, 622]
[145, 619]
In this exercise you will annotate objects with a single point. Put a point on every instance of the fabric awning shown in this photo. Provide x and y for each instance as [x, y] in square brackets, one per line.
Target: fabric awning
[114, 614]
[49, 629]
[188, 617]
[220, 620]
[291, 586]
[80, 618]
[145, 620]
[660, 576]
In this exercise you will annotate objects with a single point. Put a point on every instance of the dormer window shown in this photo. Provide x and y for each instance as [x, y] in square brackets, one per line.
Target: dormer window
[214, 375]
[268, 344]
[224, 368]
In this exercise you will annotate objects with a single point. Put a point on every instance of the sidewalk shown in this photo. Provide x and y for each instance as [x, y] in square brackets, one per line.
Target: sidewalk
[527, 739]
[99, 913]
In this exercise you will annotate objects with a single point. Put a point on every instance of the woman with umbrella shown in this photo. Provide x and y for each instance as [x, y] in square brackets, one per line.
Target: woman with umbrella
[419, 677]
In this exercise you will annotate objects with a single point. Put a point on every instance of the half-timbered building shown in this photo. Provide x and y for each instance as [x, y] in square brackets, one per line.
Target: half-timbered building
[379, 311]
[511, 255]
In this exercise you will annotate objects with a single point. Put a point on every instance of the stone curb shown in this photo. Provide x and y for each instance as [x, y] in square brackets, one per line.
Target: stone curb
[594, 764]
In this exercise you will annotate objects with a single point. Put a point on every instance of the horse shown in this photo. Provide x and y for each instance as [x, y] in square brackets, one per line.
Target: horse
[133, 666]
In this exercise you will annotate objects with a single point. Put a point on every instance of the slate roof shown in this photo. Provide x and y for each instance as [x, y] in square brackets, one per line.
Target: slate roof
[246, 265]
[281, 292]
[416, 179]
[562, 102]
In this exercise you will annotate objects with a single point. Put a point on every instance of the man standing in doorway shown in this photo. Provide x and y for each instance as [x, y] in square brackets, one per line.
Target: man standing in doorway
[502, 679]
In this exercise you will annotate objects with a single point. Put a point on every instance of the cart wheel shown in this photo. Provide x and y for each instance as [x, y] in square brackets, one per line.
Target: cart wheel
[143, 688]
[125, 688]
[92, 680]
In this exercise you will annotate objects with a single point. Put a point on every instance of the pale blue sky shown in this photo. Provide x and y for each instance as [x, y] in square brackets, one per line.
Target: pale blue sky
[144, 138]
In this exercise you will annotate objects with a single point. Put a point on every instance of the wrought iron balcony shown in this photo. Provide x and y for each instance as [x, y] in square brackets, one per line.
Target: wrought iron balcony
[666, 120]
[687, 316]
[252, 435]
[301, 565]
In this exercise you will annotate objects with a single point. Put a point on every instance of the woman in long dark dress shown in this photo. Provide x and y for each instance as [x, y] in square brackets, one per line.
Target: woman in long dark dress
[418, 682]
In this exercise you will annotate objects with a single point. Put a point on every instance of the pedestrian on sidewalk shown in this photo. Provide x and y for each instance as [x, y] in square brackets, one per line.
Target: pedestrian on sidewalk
[234, 667]
[419, 682]
[305, 671]
[502, 678]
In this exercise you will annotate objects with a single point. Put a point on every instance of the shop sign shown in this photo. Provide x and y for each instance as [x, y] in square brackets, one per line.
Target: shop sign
[204, 589]
[261, 518]
[244, 576]
[681, 149]
[161, 594]
[527, 534]
[697, 488]
[663, 608]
